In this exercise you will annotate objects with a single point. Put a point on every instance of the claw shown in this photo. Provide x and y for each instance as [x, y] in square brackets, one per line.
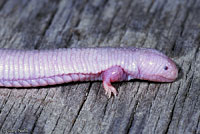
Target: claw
[109, 89]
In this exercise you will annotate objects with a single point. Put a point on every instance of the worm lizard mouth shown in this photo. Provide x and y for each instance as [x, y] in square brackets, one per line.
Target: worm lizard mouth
[159, 78]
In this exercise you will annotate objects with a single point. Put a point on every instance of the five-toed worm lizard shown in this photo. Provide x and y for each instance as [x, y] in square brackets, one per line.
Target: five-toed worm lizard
[32, 68]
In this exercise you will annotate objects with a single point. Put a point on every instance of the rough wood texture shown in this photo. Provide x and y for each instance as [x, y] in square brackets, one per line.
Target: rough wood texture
[172, 26]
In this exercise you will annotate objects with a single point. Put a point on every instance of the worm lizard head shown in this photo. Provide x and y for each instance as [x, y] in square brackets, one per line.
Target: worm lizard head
[155, 66]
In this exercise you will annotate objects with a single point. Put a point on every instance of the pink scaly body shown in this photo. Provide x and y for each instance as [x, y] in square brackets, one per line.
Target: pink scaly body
[21, 68]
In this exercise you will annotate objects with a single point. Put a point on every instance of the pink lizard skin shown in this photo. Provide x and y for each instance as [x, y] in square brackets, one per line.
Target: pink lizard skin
[32, 68]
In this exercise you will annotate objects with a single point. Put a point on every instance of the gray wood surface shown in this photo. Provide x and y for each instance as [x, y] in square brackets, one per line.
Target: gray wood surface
[172, 26]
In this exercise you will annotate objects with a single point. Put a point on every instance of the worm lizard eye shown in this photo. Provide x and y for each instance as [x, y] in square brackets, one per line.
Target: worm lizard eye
[166, 68]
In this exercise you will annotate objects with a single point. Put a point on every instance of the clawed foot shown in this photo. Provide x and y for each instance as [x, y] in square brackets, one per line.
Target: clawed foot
[112, 74]
[109, 89]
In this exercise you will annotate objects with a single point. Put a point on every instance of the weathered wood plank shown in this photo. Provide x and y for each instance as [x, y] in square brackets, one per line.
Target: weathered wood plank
[171, 26]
